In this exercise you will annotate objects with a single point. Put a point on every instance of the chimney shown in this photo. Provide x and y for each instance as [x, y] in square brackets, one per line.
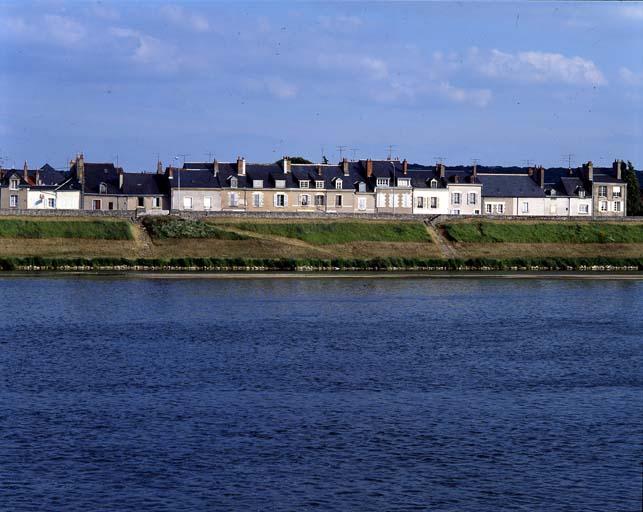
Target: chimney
[405, 167]
[530, 172]
[541, 176]
[456, 179]
[215, 167]
[474, 174]
[120, 179]
[590, 170]
[25, 171]
[80, 168]
[617, 169]
[442, 170]
[37, 177]
[345, 166]
[319, 170]
[286, 165]
[170, 172]
[159, 167]
[369, 168]
[241, 166]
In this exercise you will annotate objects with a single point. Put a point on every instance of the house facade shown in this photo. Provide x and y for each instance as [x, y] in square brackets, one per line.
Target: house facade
[41, 189]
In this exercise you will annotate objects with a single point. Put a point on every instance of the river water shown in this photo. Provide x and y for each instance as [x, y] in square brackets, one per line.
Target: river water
[468, 394]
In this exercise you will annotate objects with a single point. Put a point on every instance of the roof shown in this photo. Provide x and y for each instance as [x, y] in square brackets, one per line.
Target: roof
[495, 185]
[144, 184]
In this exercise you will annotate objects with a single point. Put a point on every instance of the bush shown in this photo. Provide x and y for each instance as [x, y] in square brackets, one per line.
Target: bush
[176, 227]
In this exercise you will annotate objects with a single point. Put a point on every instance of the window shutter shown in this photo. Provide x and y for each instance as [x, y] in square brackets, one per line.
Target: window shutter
[285, 199]
[274, 198]
[260, 199]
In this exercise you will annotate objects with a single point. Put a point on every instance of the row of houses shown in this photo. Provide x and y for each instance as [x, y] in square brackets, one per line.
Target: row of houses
[362, 186]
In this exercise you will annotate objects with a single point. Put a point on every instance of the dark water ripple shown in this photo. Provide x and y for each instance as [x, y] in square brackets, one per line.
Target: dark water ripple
[467, 394]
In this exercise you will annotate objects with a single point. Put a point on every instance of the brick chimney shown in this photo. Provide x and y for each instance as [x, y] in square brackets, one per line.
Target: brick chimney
[80, 168]
[37, 177]
[159, 167]
[319, 170]
[530, 172]
[616, 166]
[241, 166]
[345, 166]
[405, 167]
[442, 170]
[541, 176]
[369, 168]
[215, 167]
[25, 172]
[286, 164]
[589, 166]
[170, 172]
[456, 179]
[474, 173]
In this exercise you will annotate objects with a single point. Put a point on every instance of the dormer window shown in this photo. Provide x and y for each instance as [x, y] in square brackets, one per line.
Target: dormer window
[257, 183]
[280, 183]
[338, 184]
[319, 184]
[403, 182]
[304, 184]
[434, 183]
[102, 188]
[581, 192]
[234, 182]
[382, 182]
[552, 192]
[14, 183]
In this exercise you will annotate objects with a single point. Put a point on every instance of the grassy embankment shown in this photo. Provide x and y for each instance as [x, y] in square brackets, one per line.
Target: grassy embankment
[234, 243]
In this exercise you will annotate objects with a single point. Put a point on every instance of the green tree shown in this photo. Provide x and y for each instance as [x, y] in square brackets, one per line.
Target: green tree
[634, 203]
[296, 160]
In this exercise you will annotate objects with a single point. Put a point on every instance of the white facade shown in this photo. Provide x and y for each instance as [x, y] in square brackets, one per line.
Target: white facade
[464, 199]
[431, 201]
[198, 200]
[563, 206]
[53, 199]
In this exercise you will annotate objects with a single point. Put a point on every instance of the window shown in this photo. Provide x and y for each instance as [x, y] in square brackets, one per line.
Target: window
[338, 184]
[207, 202]
[420, 202]
[403, 182]
[234, 199]
[257, 199]
[319, 200]
[494, 208]
[524, 207]
[338, 200]
[280, 200]
[361, 203]
[257, 183]
[110, 205]
[616, 191]
[141, 202]
[583, 208]
[234, 182]
[434, 202]
[13, 201]
[319, 184]
[455, 212]
[13, 184]
[603, 206]
[581, 193]
[471, 198]
[304, 184]
[382, 182]
[455, 198]
[434, 183]
[96, 204]
[602, 191]
[617, 206]
[102, 188]
[187, 203]
[156, 202]
[51, 202]
[304, 200]
[280, 183]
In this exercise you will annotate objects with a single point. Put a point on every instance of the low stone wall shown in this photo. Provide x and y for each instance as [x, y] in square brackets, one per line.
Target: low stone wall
[13, 212]
[299, 215]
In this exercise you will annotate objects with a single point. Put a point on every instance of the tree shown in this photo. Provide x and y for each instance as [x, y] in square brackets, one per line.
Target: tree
[296, 160]
[634, 203]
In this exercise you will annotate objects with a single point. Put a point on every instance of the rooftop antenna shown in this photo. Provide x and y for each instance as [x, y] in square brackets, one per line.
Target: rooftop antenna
[569, 157]
[354, 151]
[341, 150]
[183, 156]
[439, 159]
[210, 155]
[527, 162]
[390, 151]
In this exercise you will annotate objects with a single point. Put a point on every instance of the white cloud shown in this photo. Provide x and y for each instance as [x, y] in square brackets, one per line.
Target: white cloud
[374, 68]
[185, 19]
[630, 77]
[149, 50]
[477, 97]
[535, 66]
[50, 28]
[273, 85]
[631, 11]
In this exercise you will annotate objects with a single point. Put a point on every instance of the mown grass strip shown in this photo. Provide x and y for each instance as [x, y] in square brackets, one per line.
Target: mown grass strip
[175, 227]
[286, 264]
[326, 233]
[519, 232]
[94, 229]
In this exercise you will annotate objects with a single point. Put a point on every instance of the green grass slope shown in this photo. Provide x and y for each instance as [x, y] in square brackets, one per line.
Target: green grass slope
[91, 229]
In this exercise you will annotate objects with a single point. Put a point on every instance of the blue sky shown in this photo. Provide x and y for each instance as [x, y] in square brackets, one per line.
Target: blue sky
[501, 82]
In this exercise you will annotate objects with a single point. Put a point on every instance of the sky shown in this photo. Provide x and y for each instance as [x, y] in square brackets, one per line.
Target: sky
[506, 83]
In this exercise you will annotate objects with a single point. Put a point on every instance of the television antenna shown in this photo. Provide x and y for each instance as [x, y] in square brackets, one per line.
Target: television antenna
[390, 151]
[570, 158]
[439, 159]
[354, 151]
[341, 150]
